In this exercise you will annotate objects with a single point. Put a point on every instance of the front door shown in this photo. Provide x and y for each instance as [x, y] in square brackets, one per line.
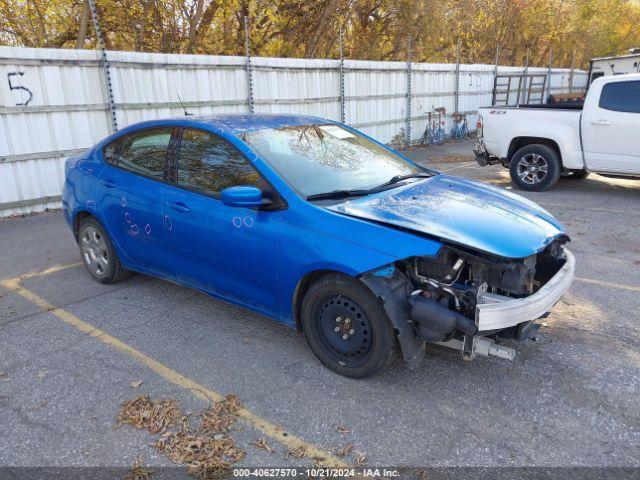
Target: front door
[227, 251]
[610, 128]
[133, 185]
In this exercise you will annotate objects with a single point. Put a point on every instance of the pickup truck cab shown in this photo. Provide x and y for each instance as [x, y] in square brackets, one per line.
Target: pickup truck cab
[541, 143]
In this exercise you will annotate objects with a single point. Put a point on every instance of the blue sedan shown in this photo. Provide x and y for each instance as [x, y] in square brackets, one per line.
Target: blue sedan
[320, 227]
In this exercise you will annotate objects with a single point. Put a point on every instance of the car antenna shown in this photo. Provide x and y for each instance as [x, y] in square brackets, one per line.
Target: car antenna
[186, 114]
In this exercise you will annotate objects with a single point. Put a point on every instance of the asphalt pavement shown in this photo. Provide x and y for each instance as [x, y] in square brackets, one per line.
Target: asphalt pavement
[70, 349]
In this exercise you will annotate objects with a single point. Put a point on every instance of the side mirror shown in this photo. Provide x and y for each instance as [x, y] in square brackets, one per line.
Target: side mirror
[242, 196]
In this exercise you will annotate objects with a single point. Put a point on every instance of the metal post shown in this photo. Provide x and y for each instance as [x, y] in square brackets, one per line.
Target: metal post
[495, 76]
[549, 73]
[247, 48]
[342, 99]
[457, 99]
[573, 61]
[526, 72]
[105, 66]
[407, 133]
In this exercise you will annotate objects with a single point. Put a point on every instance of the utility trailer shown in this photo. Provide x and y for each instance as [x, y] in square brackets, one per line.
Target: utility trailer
[604, 66]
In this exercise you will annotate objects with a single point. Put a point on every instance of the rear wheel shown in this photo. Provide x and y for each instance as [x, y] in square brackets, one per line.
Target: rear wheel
[98, 254]
[535, 168]
[347, 328]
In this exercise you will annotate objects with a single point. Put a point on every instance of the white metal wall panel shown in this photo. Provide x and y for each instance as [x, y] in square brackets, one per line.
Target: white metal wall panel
[68, 111]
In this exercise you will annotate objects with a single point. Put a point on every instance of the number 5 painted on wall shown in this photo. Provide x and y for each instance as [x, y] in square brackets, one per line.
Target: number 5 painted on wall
[19, 87]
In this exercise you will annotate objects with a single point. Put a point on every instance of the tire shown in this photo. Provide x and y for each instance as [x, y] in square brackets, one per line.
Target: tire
[535, 168]
[358, 347]
[575, 174]
[98, 255]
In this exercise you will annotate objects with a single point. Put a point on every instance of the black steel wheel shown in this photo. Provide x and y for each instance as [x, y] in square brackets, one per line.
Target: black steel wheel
[347, 328]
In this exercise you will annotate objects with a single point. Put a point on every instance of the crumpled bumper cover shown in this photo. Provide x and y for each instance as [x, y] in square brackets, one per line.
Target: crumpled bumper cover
[496, 312]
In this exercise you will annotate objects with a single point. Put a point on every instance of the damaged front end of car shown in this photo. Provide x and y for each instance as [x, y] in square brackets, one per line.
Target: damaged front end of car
[464, 299]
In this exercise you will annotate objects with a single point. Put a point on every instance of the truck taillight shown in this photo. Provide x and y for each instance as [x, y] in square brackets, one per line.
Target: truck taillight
[479, 126]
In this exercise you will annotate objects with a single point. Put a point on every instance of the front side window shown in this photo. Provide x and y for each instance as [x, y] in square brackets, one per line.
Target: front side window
[621, 97]
[209, 164]
[141, 152]
[316, 159]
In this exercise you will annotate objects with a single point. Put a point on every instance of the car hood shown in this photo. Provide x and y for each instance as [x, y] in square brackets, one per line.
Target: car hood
[463, 212]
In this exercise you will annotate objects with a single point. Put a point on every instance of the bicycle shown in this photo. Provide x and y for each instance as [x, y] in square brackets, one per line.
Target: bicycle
[460, 129]
[434, 132]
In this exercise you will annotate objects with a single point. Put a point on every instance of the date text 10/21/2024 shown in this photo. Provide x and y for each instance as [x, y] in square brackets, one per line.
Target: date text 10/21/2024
[319, 473]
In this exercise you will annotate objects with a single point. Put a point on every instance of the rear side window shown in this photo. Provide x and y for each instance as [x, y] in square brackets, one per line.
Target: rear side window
[621, 97]
[110, 153]
[141, 152]
[209, 164]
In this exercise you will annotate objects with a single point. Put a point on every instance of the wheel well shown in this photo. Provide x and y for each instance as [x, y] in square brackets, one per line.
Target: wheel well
[77, 221]
[519, 142]
[301, 289]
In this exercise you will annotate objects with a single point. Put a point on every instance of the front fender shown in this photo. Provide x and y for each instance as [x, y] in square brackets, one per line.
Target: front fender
[319, 240]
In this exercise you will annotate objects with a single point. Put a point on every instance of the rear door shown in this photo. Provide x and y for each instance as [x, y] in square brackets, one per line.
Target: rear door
[228, 251]
[133, 185]
[611, 127]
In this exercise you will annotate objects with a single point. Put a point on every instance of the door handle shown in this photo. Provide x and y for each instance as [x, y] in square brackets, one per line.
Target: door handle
[108, 183]
[600, 122]
[179, 206]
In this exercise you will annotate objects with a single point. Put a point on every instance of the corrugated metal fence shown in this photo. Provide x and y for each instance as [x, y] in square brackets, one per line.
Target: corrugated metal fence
[54, 103]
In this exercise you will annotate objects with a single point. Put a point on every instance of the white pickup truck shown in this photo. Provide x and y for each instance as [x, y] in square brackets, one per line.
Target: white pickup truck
[541, 143]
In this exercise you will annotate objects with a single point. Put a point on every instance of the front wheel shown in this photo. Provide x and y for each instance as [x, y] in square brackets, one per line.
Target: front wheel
[535, 168]
[347, 328]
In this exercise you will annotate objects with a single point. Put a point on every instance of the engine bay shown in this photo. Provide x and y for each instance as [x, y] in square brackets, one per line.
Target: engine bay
[447, 288]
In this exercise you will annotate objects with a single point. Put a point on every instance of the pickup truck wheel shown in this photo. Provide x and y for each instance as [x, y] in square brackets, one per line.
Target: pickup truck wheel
[347, 328]
[98, 255]
[535, 168]
[575, 174]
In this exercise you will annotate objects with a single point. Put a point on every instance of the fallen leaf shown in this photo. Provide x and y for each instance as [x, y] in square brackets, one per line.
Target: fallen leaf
[318, 462]
[4, 376]
[206, 450]
[297, 452]
[221, 416]
[152, 415]
[344, 451]
[262, 444]
[136, 384]
[361, 460]
[203, 456]
[342, 429]
[138, 472]
[421, 474]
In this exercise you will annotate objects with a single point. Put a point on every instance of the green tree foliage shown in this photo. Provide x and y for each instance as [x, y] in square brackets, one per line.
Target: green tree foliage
[373, 29]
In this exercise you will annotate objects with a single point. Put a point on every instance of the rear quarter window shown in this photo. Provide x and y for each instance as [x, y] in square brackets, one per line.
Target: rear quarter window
[621, 97]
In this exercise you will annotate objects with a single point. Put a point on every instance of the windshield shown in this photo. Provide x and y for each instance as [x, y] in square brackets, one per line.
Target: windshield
[316, 159]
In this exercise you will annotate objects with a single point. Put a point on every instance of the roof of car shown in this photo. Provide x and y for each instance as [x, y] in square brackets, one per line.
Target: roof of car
[246, 122]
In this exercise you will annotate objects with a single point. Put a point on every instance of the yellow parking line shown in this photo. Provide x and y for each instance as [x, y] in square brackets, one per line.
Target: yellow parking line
[609, 284]
[267, 428]
[54, 269]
